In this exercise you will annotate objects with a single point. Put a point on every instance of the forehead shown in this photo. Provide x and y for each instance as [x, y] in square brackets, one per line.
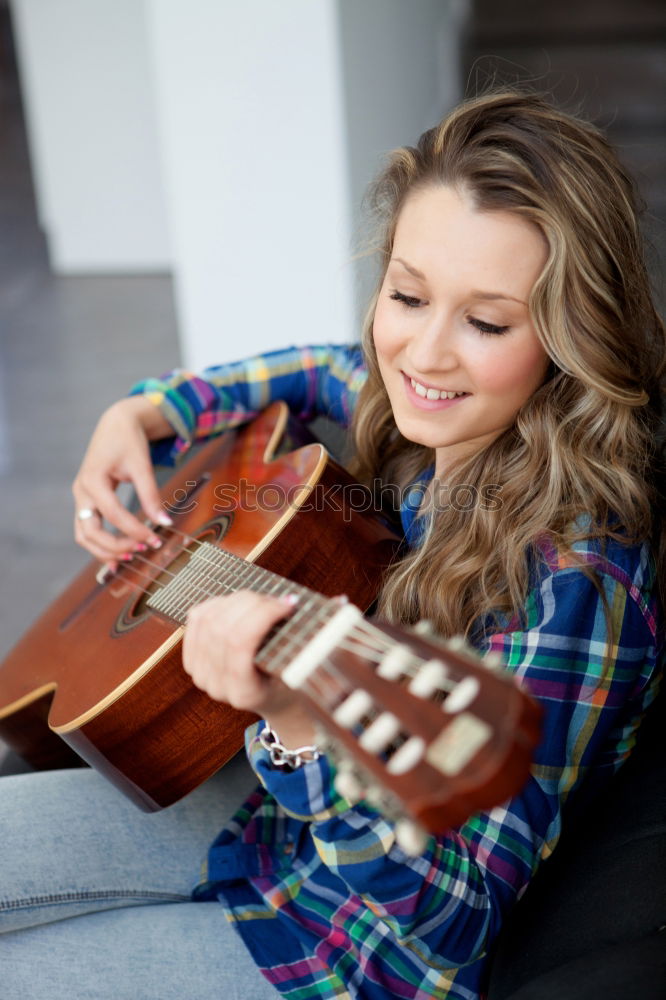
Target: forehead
[440, 232]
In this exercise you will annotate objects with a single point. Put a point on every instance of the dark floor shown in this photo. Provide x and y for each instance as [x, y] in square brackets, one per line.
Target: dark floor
[68, 347]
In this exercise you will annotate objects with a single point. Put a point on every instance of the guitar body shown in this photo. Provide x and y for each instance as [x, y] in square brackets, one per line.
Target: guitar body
[99, 675]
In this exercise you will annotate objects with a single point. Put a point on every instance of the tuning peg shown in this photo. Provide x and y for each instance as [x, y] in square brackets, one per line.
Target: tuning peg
[424, 627]
[377, 797]
[493, 660]
[411, 837]
[348, 784]
[429, 678]
[350, 712]
[395, 662]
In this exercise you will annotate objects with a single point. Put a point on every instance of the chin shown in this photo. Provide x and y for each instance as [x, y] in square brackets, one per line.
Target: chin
[418, 437]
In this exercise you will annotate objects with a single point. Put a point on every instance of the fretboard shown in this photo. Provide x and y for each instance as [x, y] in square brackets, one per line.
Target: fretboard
[211, 572]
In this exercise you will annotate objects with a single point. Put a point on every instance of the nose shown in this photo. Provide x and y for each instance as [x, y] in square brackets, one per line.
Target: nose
[432, 347]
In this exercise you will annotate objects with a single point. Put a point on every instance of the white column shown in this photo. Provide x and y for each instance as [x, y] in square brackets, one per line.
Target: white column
[255, 160]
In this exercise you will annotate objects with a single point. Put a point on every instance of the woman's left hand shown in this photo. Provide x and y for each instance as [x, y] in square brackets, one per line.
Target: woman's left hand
[221, 640]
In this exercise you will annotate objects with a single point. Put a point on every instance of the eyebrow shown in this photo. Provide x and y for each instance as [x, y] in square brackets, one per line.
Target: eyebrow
[486, 296]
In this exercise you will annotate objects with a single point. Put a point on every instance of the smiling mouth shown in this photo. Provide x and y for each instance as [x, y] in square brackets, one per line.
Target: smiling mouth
[428, 392]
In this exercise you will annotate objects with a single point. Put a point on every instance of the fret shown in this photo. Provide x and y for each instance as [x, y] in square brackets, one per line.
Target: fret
[344, 619]
[211, 571]
[289, 638]
[304, 635]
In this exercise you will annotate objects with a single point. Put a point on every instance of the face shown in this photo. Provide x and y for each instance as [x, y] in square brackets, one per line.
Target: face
[455, 343]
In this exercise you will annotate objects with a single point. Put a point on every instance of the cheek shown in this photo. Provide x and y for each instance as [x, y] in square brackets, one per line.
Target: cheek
[513, 374]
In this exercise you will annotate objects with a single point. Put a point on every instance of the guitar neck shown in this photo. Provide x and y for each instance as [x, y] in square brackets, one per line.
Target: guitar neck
[211, 572]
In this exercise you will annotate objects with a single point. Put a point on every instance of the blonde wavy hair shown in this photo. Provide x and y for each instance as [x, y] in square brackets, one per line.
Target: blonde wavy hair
[581, 458]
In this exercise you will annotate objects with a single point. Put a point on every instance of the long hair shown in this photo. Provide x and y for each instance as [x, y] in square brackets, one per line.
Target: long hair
[581, 459]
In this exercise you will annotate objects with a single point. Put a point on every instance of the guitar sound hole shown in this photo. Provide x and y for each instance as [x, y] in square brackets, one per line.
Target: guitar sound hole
[136, 609]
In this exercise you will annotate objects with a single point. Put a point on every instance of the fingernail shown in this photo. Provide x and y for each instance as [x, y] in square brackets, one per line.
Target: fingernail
[155, 542]
[140, 547]
[164, 519]
[290, 599]
[126, 556]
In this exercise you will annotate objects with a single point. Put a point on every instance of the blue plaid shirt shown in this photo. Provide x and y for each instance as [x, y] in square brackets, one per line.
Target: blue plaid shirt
[325, 899]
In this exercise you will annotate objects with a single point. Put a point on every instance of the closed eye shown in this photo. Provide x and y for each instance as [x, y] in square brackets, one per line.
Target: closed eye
[412, 302]
[407, 300]
[484, 327]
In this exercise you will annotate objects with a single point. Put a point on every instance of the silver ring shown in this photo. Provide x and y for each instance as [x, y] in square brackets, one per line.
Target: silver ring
[86, 513]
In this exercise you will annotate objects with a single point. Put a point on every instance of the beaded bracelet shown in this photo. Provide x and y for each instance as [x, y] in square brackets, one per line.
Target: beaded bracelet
[281, 756]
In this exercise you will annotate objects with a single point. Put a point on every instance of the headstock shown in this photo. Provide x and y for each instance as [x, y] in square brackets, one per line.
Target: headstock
[425, 729]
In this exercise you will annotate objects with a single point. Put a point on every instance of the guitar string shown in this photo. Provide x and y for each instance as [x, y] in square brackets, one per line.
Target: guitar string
[364, 632]
[202, 586]
[239, 570]
[361, 635]
[364, 638]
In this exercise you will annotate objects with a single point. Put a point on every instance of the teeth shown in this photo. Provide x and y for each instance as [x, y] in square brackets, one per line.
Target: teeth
[421, 390]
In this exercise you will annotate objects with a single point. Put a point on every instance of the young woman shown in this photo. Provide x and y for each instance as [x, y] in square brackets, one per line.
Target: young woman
[512, 343]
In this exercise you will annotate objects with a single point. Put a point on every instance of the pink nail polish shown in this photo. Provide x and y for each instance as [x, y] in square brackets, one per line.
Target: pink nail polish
[140, 547]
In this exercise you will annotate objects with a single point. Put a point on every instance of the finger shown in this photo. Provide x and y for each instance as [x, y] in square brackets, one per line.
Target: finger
[101, 543]
[145, 484]
[131, 527]
[253, 616]
[221, 640]
[100, 495]
[248, 614]
[101, 552]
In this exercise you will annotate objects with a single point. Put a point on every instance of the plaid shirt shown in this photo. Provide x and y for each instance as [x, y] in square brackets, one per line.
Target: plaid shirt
[326, 901]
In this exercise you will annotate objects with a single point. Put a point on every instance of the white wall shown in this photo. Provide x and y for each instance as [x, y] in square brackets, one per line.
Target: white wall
[89, 104]
[248, 130]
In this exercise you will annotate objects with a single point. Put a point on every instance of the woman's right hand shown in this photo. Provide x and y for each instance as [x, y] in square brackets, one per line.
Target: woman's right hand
[119, 452]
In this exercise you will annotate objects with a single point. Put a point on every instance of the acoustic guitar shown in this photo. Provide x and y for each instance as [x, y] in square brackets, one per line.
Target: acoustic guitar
[421, 727]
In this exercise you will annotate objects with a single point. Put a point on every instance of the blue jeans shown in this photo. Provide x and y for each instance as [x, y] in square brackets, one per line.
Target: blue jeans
[95, 895]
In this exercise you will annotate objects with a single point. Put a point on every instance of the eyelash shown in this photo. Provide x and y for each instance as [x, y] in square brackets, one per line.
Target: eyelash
[413, 303]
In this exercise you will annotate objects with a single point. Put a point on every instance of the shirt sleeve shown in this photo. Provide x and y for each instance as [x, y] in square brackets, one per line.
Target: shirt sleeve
[319, 380]
[449, 902]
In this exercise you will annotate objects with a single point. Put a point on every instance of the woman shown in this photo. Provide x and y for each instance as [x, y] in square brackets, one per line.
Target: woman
[512, 344]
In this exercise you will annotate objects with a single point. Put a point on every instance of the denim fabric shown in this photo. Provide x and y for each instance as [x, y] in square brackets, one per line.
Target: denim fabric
[95, 895]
